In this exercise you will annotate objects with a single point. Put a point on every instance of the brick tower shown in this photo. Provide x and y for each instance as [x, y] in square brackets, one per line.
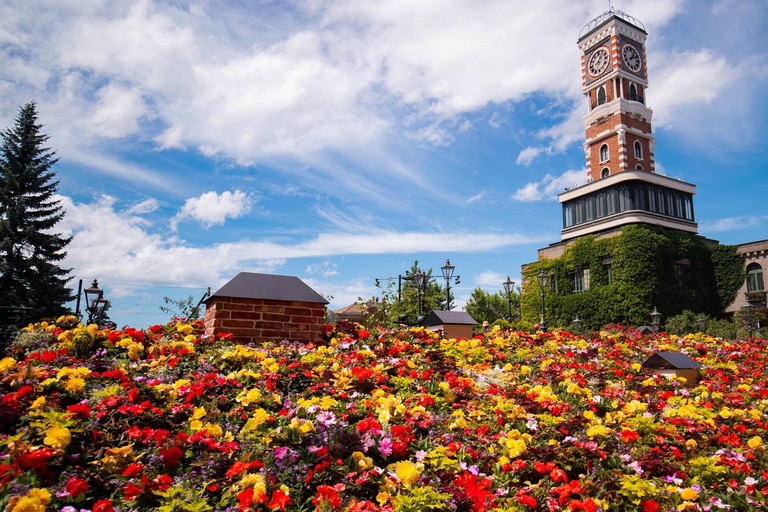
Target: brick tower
[623, 187]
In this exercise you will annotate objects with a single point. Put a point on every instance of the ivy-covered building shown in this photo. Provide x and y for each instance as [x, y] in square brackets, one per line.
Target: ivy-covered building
[629, 241]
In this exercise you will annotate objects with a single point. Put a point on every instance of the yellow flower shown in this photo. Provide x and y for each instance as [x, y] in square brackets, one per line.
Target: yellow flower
[34, 501]
[362, 461]
[7, 364]
[689, 494]
[57, 437]
[407, 472]
[198, 412]
[248, 397]
[755, 443]
[38, 403]
[76, 385]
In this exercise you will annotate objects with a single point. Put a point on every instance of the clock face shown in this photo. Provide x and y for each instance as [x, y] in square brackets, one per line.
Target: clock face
[631, 58]
[598, 62]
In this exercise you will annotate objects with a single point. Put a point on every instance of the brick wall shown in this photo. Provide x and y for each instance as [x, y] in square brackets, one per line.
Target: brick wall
[257, 320]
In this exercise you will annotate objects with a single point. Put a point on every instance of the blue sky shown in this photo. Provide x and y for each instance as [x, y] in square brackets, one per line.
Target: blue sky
[339, 140]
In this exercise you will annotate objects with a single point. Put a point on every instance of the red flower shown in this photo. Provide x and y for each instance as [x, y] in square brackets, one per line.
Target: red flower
[76, 486]
[79, 411]
[279, 500]
[245, 498]
[526, 499]
[103, 506]
[132, 491]
[648, 506]
[171, 456]
[326, 493]
[163, 482]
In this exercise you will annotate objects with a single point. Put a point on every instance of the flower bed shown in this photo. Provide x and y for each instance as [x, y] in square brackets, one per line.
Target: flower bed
[166, 419]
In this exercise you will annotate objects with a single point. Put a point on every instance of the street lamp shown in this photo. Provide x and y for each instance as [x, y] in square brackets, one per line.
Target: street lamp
[655, 320]
[95, 303]
[509, 285]
[577, 323]
[400, 279]
[447, 270]
[701, 323]
[419, 278]
[748, 309]
[543, 279]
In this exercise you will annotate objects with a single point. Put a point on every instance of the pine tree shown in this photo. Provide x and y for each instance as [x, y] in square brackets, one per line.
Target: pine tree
[29, 250]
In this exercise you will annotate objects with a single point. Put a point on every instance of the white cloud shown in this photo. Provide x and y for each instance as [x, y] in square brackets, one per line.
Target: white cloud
[527, 155]
[732, 223]
[146, 206]
[212, 208]
[490, 278]
[476, 197]
[325, 269]
[550, 186]
[108, 242]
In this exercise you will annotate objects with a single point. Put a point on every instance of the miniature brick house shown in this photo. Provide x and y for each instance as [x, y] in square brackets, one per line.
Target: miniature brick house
[454, 324]
[674, 364]
[265, 307]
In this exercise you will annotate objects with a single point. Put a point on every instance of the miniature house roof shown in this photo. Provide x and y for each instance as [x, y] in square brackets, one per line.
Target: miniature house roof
[670, 361]
[448, 318]
[249, 285]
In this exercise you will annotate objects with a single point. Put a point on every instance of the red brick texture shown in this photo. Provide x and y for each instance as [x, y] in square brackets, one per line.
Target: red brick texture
[262, 320]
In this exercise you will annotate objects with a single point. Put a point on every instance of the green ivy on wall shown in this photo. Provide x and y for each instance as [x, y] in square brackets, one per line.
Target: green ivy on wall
[644, 275]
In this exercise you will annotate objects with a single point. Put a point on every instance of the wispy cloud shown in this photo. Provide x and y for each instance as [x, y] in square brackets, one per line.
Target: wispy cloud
[732, 223]
[550, 186]
[476, 197]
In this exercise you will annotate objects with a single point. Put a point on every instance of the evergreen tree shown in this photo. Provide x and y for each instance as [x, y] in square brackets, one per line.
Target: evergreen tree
[431, 296]
[489, 307]
[29, 250]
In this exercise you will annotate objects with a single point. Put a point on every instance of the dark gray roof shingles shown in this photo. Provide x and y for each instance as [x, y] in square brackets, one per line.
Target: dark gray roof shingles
[249, 285]
[449, 317]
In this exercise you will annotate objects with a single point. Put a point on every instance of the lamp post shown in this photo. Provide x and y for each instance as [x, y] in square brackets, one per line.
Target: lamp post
[509, 285]
[543, 279]
[419, 279]
[95, 303]
[655, 320]
[577, 323]
[701, 323]
[447, 270]
[748, 309]
[400, 279]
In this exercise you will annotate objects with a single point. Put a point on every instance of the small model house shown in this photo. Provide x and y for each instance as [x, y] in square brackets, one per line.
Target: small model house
[265, 307]
[674, 364]
[454, 324]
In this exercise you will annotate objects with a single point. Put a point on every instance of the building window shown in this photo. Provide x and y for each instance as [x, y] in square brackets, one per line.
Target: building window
[638, 150]
[601, 95]
[632, 92]
[683, 273]
[639, 167]
[608, 266]
[605, 173]
[604, 153]
[580, 280]
[755, 282]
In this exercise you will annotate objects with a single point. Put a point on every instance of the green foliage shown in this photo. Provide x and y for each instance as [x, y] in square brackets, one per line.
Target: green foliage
[188, 308]
[644, 275]
[729, 272]
[489, 307]
[421, 498]
[29, 250]
[685, 323]
[406, 309]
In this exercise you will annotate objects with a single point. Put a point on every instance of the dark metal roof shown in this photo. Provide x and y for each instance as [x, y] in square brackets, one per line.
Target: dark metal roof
[671, 361]
[606, 17]
[449, 317]
[249, 285]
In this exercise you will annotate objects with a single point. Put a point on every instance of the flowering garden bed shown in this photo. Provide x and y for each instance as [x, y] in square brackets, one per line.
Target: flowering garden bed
[168, 420]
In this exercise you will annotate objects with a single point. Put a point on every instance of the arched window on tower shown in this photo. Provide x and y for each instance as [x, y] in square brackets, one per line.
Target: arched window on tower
[604, 153]
[601, 95]
[605, 173]
[632, 92]
[638, 150]
[639, 167]
[755, 282]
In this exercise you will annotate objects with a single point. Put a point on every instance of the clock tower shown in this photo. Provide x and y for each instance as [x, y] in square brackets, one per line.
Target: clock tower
[614, 78]
[622, 186]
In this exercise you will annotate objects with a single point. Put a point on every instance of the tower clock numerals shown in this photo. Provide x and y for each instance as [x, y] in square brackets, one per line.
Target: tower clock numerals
[631, 58]
[598, 61]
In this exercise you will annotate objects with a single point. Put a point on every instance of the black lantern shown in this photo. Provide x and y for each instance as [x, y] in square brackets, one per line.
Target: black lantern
[577, 323]
[509, 285]
[655, 320]
[701, 323]
[95, 303]
[543, 280]
[419, 279]
[447, 270]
